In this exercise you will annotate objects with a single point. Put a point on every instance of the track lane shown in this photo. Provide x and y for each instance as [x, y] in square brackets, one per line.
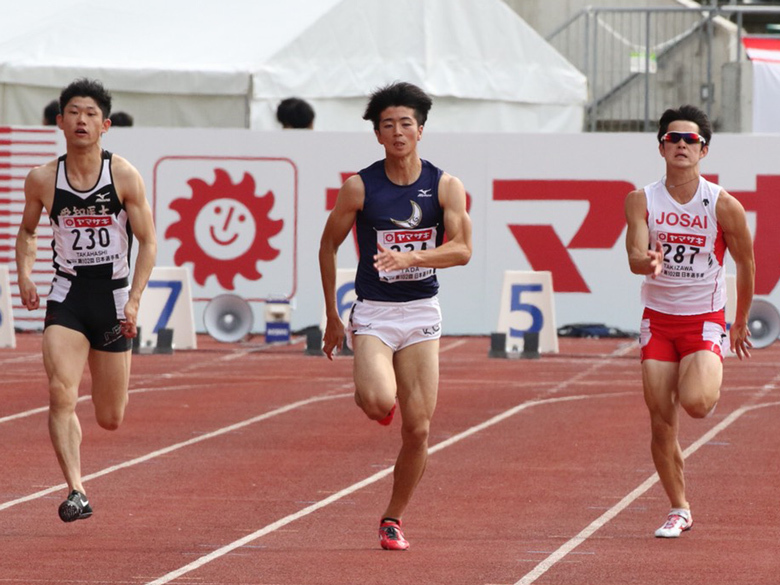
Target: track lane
[516, 490]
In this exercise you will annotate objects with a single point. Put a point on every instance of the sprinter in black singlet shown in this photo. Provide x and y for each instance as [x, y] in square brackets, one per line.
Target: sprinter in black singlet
[402, 206]
[92, 198]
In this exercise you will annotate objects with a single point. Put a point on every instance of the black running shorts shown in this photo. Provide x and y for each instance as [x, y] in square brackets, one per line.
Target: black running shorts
[93, 307]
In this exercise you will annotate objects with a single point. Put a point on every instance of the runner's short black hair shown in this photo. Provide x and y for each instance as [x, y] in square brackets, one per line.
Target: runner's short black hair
[399, 93]
[689, 114]
[92, 88]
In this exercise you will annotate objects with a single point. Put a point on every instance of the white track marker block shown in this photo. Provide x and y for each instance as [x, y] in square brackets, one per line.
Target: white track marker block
[167, 304]
[345, 295]
[7, 335]
[731, 298]
[528, 305]
[731, 309]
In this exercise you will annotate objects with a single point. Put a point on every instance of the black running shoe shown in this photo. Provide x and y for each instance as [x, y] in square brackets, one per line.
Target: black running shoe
[76, 507]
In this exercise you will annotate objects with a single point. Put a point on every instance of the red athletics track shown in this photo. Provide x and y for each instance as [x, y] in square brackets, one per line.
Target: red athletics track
[238, 464]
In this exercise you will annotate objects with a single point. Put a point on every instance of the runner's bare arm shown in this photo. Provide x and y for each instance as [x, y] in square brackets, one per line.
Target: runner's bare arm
[733, 222]
[340, 222]
[38, 182]
[641, 259]
[456, 251]
[132, 192]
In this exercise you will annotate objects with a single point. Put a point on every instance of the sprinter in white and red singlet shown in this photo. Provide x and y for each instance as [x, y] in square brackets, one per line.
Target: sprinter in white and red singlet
[679, 230]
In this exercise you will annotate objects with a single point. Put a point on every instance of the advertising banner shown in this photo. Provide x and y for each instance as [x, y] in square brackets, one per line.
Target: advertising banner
[244, 210]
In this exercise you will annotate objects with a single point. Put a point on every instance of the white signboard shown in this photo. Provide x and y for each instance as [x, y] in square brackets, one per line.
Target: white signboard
[167, 304]
[244, 210]
[528, 306]
[345, 295]
[7, 335]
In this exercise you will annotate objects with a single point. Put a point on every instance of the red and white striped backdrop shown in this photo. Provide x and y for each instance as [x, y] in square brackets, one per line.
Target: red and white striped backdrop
[22, 149]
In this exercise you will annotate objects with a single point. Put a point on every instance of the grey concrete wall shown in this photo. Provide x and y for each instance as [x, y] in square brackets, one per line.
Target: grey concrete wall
[547, 15]
[626, 100]
[737, 97]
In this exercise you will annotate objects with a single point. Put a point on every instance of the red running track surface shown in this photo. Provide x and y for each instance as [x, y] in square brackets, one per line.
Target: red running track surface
[244, 464]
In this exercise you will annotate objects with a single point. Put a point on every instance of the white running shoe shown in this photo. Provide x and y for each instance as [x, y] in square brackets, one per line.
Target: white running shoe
[678, 521]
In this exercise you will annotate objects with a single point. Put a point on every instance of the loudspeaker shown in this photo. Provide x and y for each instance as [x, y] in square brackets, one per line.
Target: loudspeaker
[228, 318]
[764, 323]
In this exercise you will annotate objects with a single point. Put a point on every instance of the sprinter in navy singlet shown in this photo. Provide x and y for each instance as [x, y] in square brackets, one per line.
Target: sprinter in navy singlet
[92, 198]
[403, 218]
[402, 207]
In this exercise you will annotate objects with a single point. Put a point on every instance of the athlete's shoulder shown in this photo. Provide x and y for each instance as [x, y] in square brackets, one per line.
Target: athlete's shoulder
[128, 182]
[124, 173]
[352, 194]
[728, 205]
[353, 184]
[42, 176]
[635, 206]
[637, 196]
[449, 182]
[120, 165]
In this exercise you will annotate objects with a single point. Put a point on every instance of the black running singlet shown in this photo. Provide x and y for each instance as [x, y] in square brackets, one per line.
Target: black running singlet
[92, 235]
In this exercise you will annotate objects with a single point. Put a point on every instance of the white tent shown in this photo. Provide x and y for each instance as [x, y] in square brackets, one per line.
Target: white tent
[229, 64]
[764, 52]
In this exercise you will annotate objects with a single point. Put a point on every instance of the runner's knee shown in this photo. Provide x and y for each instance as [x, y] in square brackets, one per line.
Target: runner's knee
[110, 420]
[376, 409]
[110, 416]
[376, 406]
[61, 397]
[699, 406]
[415, 434]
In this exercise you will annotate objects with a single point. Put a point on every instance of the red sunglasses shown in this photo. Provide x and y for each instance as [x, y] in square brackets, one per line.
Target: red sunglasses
[689, 137]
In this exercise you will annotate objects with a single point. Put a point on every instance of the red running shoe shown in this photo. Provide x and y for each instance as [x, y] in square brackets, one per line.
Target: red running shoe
[389, 418]
[391, 537]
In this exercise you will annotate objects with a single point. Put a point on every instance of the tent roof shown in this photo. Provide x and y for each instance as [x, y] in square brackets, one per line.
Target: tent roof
[175, 46]
[471, 49]
[475, 49]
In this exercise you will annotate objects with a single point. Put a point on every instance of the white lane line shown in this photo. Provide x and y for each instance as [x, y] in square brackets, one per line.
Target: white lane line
[387, 471]
[177, 446]
[31, 412]
[569, 546]
[18, 359]
[141, 377]
[452, 345]
[85, 397]
[146, 390]
[220, 552]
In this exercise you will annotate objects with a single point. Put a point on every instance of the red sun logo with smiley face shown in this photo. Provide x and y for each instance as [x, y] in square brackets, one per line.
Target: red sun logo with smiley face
[224, 229]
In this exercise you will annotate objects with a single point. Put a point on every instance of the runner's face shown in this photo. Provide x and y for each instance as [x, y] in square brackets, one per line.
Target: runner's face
[82, 121]
[682, 154]
[398, 131]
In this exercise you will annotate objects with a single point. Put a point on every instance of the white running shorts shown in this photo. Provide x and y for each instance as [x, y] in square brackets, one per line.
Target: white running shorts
[398, 325]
